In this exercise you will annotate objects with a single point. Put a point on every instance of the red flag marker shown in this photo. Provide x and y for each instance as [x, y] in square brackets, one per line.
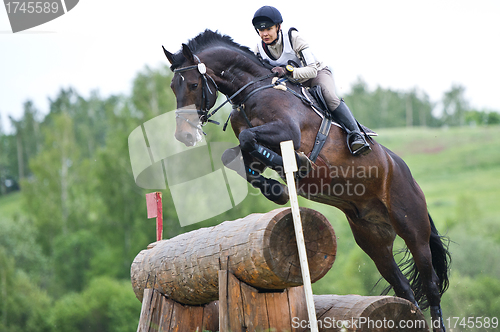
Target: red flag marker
[155, 209]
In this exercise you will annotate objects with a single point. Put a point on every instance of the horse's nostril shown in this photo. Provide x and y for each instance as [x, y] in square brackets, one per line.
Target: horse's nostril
[189, 138]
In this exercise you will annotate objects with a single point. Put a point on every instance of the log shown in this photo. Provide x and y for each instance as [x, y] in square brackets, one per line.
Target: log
[161, 314]
[244, 308]
[259, 250]
[367, 313]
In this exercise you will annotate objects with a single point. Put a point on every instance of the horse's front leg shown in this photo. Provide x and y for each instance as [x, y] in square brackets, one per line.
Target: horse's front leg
[252, 169]
[262, 141]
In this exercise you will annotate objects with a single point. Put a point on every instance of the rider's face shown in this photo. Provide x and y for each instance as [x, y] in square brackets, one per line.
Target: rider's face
[269, 35]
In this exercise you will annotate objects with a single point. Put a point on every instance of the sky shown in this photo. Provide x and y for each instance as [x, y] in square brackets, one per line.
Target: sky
[401, 45]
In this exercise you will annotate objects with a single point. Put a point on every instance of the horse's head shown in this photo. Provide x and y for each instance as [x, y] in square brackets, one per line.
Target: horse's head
[195, 91]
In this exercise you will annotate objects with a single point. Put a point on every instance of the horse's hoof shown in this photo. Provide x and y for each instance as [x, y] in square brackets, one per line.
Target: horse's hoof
[284, 197]
[437, 317]
[230, 155]
[275, 192]
[304, 165]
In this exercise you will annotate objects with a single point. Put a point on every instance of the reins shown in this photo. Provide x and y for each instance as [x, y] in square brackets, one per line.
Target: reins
[204, 113]
[229, 99]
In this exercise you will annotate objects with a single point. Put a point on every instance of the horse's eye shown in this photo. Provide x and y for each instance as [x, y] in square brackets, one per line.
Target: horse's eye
[193, 86]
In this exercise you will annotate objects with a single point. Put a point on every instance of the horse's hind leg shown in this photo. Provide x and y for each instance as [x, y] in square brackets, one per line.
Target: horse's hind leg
[416, 233]
[410, 219]
[423, 259]
[377, 240]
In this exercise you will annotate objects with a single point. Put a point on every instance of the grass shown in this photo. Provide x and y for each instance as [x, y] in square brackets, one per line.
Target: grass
[459, 171]
[457, 168]
[10, 205]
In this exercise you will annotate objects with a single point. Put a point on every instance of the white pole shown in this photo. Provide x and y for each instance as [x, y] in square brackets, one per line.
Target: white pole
[290, 165]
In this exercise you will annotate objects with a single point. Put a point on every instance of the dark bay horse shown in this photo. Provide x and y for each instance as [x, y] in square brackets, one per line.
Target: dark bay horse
[376, 191]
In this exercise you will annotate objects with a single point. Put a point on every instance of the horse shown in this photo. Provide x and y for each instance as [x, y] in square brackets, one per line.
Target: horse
[376, 191]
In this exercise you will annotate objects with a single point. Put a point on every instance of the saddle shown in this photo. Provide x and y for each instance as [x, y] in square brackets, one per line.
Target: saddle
[315, 98]
[318, 103]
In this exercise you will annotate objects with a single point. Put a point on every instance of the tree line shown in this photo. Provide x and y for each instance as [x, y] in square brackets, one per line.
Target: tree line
[65, 258]
[378, 108]
[386, 108]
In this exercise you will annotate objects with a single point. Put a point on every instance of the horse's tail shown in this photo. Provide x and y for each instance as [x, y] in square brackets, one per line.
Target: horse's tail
[441, 260]
[441, 257]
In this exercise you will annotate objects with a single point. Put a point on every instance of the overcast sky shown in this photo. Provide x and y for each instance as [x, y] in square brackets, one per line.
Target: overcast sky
[428, 45]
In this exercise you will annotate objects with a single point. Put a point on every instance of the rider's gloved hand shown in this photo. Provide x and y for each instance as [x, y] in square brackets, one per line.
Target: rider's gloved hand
[280, 71]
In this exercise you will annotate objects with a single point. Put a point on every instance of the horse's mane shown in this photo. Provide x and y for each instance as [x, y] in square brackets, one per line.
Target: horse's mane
[209, 38]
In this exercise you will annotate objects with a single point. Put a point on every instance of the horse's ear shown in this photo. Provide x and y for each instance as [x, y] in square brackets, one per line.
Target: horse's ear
[169, 55]
[187, 52]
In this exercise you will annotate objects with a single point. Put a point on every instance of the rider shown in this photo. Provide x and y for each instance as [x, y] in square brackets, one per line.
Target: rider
[281, 50]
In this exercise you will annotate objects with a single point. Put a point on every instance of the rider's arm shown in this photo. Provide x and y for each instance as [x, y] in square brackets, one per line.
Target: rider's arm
[311, 65]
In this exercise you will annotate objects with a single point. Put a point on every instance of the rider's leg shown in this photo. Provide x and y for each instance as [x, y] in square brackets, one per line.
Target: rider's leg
[340, 112]
[358, 143]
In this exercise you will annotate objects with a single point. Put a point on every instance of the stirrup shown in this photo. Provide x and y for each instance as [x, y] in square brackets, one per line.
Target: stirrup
[363, 150]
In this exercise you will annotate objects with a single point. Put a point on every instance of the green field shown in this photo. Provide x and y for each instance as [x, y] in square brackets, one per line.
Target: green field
[10, 206]
[459, 172]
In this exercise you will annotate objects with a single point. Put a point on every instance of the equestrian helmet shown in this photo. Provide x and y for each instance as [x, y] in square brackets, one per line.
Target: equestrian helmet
[265, 17]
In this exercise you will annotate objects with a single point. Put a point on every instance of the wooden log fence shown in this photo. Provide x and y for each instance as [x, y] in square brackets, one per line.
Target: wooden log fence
[368, 313]
[244, 275]
[244, 308]
[259, 249]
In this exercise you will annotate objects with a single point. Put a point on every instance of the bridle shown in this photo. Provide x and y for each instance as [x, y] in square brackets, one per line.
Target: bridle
[203, 113]
[205, 91]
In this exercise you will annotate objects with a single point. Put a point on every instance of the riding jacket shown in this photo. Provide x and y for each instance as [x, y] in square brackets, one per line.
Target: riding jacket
[291, 47]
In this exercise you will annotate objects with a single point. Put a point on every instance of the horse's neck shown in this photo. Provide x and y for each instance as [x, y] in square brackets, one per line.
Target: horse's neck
[233, 75]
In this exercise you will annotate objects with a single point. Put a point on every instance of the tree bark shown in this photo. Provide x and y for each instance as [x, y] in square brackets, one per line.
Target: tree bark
[259, 250]
[368, 313]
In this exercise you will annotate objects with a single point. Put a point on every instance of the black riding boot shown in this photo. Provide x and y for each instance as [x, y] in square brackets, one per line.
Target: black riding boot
[356, 140]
